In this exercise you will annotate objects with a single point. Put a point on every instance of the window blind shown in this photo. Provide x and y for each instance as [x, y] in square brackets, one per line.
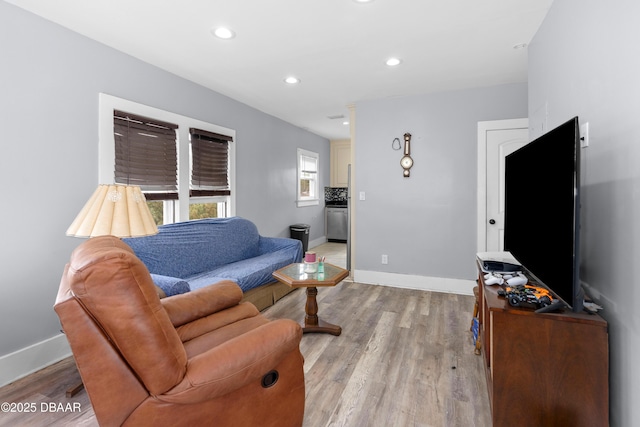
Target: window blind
[210, 163]
[308, 164]
[146, 155]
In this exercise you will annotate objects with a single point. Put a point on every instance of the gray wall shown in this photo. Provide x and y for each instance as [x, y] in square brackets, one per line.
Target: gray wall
[426, 223]
[583, 62]
[49, 84]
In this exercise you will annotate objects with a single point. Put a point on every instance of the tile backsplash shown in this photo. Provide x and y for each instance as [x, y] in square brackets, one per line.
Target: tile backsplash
[335, 194]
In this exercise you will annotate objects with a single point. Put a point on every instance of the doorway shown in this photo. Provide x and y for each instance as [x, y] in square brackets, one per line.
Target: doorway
[496, 140]
[334, 252]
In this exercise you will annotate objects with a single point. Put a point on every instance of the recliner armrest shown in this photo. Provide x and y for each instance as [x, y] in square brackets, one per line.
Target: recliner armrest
[187, 307]
[236, 363]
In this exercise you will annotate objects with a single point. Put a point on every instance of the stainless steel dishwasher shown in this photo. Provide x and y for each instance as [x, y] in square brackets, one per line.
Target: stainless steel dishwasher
[336, 223]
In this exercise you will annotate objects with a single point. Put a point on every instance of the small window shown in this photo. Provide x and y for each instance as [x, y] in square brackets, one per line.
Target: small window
[308, 179]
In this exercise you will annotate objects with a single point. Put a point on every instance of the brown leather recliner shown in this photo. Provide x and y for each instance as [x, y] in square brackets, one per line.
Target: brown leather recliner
[195, 359]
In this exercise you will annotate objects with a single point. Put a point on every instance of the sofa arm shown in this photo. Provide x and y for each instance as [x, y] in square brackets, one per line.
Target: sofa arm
[170, 285]
[236, 363]
[185, 308]
[273, 244]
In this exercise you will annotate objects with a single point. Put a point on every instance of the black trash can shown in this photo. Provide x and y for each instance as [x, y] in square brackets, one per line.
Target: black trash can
[301, 232]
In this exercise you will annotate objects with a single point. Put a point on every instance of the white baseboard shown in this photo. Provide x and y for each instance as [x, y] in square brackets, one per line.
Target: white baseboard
[317, 242]
[28, 360]
[408, 281]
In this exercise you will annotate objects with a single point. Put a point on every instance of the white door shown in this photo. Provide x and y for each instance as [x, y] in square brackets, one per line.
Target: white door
[496, 140]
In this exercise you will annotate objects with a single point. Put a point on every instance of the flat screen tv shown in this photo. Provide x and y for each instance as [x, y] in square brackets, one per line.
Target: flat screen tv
[542, 211]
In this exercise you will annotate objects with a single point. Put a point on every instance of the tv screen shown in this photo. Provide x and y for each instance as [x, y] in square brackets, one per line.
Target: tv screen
[542, 210]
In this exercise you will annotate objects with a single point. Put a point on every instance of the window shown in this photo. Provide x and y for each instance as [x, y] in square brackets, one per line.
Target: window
[308, 180]
[155, 149]
[209, 163]
[146, 155]
[209, 187]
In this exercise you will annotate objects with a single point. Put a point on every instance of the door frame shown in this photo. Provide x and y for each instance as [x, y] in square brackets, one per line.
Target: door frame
[483, 128]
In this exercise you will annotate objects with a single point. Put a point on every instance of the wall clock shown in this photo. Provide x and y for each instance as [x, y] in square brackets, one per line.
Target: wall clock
[406, 162]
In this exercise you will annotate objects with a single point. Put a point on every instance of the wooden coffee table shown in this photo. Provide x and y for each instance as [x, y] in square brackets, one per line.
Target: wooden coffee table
[294, 275]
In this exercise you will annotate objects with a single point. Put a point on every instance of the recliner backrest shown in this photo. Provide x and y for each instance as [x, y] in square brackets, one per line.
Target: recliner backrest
[115, 288]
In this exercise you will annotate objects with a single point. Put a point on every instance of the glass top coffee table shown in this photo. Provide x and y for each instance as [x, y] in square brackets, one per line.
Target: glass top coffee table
[295, 276]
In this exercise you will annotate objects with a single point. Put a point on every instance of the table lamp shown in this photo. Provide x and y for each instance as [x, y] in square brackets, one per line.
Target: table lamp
[116, 210]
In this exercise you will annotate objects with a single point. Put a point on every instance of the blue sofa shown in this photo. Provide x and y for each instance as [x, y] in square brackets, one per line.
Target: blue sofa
[189, 255]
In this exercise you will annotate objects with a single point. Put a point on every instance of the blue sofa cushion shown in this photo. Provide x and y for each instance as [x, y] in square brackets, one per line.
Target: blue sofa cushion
[185, 249]
[170, 285]
[249, 273]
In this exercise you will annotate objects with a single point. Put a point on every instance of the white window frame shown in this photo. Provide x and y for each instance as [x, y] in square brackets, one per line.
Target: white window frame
[174, 210]
[314, 199]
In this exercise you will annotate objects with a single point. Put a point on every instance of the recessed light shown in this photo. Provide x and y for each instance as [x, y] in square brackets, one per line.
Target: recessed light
[223, 33]
[363, 1]
[519, 46]
[292, 80]
[392, 62]
[345, 123]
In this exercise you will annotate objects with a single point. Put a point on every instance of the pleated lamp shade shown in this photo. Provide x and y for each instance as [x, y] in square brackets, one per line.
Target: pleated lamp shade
[115, 210]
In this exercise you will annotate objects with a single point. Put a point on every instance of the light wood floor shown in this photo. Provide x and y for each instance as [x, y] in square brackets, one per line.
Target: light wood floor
[336, 253]
[404, 358]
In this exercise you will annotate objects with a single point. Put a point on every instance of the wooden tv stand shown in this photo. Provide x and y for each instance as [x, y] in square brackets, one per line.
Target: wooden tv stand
[543, 369]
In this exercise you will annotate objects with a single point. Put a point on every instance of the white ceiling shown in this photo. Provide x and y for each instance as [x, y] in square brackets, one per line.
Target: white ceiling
[337, 48]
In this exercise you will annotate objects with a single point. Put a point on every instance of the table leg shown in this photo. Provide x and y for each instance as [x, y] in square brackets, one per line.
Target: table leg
[77, 388]
[311, 321]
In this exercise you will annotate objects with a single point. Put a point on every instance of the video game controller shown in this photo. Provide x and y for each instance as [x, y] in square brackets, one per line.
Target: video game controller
[493, 279]
[520, 279]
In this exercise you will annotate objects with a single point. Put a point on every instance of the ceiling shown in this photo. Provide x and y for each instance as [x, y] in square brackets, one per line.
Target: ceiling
[337, 48]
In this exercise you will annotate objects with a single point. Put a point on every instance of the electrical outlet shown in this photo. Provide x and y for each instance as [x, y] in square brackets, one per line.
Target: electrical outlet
[385, 259]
